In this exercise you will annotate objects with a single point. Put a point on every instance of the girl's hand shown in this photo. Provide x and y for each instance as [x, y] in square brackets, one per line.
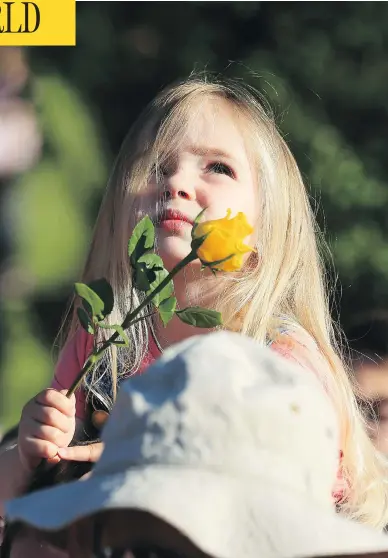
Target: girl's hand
[88, 452]
[47, 424]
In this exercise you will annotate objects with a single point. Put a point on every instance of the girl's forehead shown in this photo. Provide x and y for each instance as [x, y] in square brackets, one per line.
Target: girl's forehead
[213, 124]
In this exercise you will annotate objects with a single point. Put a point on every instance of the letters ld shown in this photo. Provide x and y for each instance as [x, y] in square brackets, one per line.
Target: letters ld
[12, 16]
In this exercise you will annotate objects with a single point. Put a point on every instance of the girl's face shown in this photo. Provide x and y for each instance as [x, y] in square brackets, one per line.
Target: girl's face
[211, 169]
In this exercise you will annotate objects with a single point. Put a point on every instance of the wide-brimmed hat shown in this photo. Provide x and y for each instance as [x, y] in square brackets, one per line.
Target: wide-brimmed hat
[228, 442]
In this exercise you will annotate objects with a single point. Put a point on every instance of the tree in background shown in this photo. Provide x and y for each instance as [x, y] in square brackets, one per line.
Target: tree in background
[325, 73]
[18, 121]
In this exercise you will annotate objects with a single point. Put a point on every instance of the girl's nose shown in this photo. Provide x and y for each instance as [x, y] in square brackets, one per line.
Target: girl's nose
[178, 186]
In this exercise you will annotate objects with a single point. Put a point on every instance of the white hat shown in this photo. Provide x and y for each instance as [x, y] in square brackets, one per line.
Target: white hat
[227, 442]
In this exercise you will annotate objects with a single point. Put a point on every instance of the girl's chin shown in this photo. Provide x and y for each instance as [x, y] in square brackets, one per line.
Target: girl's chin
[172, 250]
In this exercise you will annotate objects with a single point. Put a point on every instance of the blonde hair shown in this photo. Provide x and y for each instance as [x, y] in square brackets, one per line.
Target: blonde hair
[285, 285]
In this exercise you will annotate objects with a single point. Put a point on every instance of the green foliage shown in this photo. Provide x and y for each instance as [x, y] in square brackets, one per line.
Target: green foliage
[50, 236]
[142, 239]
[167, 309]
[124, 341]
[104, 292]
[85, 320]
[200, 317]
[27, 363]
[145, 270]
[97, 298]
[166, 292]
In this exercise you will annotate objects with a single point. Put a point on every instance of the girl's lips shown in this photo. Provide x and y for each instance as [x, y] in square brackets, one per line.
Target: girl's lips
[174, 215]
[173, 225]
[173, 220]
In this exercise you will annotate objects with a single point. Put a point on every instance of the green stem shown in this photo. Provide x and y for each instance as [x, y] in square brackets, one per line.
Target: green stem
[143, 317]
[94, 357]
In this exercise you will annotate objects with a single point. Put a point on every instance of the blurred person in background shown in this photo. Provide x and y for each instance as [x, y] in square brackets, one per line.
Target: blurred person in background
[369, 344]
[20, 146]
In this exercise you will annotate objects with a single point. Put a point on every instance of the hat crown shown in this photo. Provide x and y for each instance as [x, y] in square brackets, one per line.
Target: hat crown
[222, 402]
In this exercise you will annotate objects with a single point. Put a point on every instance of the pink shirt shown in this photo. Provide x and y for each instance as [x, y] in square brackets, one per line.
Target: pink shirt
[72, 360]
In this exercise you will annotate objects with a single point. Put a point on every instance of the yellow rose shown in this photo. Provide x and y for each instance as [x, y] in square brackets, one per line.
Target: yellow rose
[225, 239]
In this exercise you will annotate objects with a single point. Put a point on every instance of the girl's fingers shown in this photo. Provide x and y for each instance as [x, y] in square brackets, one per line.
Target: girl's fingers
[90, 453]
[58, 400]
[39, 448]
[53, 460]
[51, 417]
[46, 433]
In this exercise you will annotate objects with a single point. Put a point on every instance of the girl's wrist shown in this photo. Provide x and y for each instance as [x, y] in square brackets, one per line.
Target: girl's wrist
[13, 477]
[26, 468]
[23, 469]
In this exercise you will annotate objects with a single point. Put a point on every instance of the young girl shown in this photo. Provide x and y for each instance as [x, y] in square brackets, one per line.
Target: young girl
[206, 143]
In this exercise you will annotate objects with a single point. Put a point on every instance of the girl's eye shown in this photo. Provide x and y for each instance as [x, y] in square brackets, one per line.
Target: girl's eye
[220, 168]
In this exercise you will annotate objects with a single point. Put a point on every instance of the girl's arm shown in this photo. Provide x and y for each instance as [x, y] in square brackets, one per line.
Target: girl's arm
[47, 423]
[13, 476]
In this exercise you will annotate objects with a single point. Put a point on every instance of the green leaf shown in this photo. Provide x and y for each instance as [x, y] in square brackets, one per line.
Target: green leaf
[200, 317]
[85, 320]
[145, 271]
[105, 326]
[152, 261]
[167, 309]
[156, 274]
[143, 277]
[166, 292]
[103, 289]
[94, 303]
[97, 297]
[142, 239]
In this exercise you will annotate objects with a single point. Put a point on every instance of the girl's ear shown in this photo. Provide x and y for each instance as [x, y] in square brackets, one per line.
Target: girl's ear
[99, 419]
[96, 416]
[253, 261]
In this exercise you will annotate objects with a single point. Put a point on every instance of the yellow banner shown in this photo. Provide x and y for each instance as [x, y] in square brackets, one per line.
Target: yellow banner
[37, 23]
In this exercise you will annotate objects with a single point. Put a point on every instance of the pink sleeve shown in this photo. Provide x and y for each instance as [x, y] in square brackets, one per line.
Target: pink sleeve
[70, 362]
[299, 347]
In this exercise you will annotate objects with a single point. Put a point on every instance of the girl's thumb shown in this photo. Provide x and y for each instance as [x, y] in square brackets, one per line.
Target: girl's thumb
[64, 392]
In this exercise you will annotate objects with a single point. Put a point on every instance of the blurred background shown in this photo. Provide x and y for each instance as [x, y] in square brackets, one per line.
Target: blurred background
[64, 113]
